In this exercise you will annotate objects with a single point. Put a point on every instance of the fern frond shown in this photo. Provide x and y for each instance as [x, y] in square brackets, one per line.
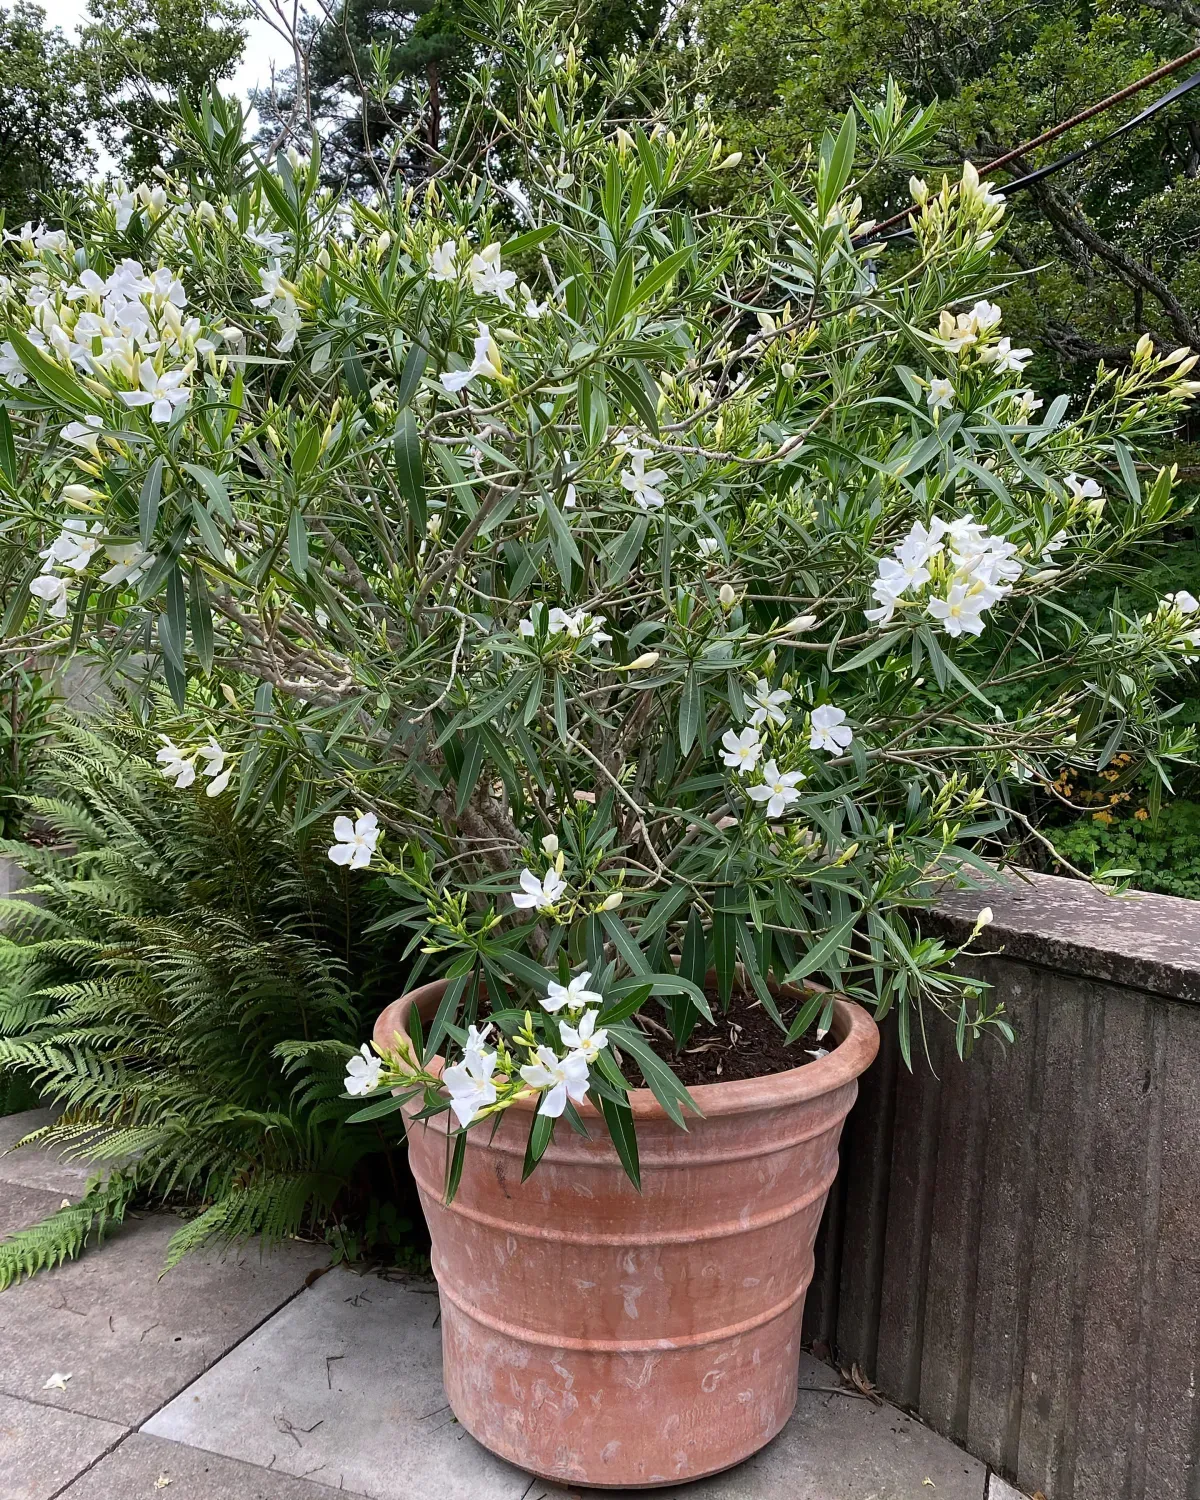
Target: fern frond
[65, 1234]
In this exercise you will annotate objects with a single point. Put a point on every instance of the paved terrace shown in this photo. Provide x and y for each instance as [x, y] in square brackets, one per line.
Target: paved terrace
[252, 1377]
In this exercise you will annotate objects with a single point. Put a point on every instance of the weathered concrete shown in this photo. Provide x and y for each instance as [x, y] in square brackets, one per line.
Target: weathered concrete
[1000, 1489]
[1145, 942]
[42, 1449]
[22, 1206]
[37, 1167]
[130, 1337]
[345, 1386]
[144, 1466]
[1014, 1250]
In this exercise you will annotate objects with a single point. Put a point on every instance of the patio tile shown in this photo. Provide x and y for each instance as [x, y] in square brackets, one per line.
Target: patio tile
[144, 1467]
[36, 1168]
[22, 1206]
[42, 1449]
[130, 1339]
[344, 1385]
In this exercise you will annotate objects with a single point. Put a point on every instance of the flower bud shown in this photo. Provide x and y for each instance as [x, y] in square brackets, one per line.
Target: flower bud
[727, 596]
[919, 189]
[730, 162]
[611, 901]
[646, 660]
[550, 843]
[799, 623]
[81, 495]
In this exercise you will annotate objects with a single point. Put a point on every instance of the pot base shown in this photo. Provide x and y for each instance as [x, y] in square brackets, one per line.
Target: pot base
[705, 1407]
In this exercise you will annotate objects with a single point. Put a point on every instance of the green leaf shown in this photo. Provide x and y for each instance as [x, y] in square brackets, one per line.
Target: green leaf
[836, 163]
[447, 1013]
[625, 943]
[654, 280]
[593, 406]
[414, 368]
[379, 1108]
[469, 772]
[724, 934]
[661, 1081]
[541, 1130]
[691, 705]
[298, 543]
[819, 955]
[201, 616]
[148, 502]
[8, 447]
[560, 709]
[530, 239]
[629, 546]
[410, 469]
[619, 288]
[868, 653]
[175, 620]
[455, 1170]
[214, 487]
[57, 383]
[618, 1116]
[209, 534]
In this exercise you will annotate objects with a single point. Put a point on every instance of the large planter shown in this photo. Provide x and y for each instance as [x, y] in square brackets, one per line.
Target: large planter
[602, 1336]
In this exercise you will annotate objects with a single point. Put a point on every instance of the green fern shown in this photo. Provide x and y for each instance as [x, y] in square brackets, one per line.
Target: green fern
[186, 996]
[66, 1232]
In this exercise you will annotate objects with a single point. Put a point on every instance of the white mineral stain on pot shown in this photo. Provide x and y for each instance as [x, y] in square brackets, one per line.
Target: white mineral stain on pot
[631, 1294]
[581, 1191]
[711, 1381]
[749, 1281]
[610, 1451]
[512, 1245]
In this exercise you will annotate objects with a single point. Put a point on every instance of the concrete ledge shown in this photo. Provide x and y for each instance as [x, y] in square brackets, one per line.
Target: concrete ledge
[1143, 941]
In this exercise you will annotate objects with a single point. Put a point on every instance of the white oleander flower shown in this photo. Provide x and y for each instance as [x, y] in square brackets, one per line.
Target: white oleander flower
[52, 590]
[584, 1038]
[1186, 603]
[941, 394]
[469, 1083]
[829, 729]
[176, 764]
[777, 789]
[443, 261]
[1005, 358]
[362, 1072]
[130, 560]
[559, 1077]
[540, 894]
[767, 703]
[575, 994]
[642, 486]
[487, 277]
[75, 546]
[215, 768]
[355, 841]
[162, 391]
[532, 308]
[741, 751]
[485, 362]
[85, 434]
[960, 612]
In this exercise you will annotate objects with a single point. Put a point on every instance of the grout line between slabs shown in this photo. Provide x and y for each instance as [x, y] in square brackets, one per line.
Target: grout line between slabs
[250, 1332]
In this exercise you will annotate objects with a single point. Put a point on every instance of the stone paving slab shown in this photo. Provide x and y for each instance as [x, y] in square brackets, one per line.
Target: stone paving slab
[129, 1337]
[1000, 1489]
[22, 1206]
[41, 1449]
[37, 1168]
[344, 1385]
[143, 1467]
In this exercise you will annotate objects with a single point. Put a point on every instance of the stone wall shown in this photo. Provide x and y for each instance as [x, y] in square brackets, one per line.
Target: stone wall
[1013, 1246]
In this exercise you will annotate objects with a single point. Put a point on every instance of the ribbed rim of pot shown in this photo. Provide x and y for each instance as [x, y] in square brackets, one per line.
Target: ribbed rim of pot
[857, 1043]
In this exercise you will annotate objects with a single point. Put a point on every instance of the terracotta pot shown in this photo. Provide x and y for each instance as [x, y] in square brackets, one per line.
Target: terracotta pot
[602, 1336]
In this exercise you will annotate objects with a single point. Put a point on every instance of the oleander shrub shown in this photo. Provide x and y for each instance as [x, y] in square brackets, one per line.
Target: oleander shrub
[643, 588]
